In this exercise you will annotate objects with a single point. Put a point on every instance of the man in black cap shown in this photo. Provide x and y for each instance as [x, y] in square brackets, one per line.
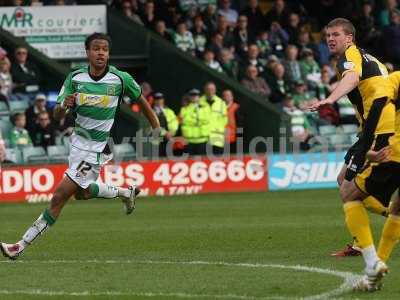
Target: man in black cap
[168, 122]
[195, 123]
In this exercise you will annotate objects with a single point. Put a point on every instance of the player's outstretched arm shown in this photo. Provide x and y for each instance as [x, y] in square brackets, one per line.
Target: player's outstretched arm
[345, 86]
[149, 113]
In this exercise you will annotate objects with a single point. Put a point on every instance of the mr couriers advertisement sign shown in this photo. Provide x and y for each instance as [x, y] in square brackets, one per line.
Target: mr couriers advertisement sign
[57, 31]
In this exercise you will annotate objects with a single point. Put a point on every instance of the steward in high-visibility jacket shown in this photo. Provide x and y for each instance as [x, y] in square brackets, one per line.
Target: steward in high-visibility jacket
[218, 118]
[168, 122]
[195, 123]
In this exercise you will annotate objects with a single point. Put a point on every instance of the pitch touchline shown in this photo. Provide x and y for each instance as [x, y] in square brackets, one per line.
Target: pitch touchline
[348, 279]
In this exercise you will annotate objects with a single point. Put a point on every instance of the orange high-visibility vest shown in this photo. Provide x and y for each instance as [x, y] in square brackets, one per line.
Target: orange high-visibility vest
[231, 126]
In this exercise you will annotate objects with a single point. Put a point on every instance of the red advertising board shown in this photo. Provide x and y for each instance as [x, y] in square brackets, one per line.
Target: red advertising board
[164, 177]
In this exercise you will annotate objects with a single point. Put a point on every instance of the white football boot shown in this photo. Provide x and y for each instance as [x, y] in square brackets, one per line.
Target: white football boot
[130, 202]
[372, 280]
[11, 251]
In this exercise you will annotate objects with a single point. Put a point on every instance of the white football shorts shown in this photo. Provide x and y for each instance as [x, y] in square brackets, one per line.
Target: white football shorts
[84, 166]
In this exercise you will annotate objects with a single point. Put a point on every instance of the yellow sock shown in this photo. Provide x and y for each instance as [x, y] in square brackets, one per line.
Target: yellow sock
[390, 236]
[357, 222]
[373, 205]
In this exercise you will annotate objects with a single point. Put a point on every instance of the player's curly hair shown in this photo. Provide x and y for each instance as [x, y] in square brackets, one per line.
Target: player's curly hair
[97, 36]
[347, 26]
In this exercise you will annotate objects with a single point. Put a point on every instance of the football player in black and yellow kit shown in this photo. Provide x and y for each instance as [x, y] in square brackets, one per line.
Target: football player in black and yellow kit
[365, 80]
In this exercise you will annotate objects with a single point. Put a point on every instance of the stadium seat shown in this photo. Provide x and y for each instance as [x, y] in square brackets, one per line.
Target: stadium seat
[58, 153]
[4, 118]
[66, 141]
[349, 128]
[339, 140]
[4, 111]
[124, 151]
[327, 130]
[14, 155]
[5, 128]
[34, 154]
[353, 138]
[6, 142]
[59, 140]
[18, 106]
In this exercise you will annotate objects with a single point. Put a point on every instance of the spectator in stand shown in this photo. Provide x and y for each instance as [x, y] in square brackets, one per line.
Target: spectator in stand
[278, 13]
[323, 49]
[200, 36]
[6, 82]
[3, 153]
[324, 88]
[292, 65]
[129, 11]
[210, 17]
[278, 84]
[304, 42]
[293, 28]
[329, 113]
[224, 30]
[161, 29]
[230, 14]
[148, 15]
[147, 92]
[189, 17]
[301, 96]
[65, 126]
[242, 36]
[218, 117]
[168, 122]
[366, 30]
[209, 60]
[299, 123]
[278, 39]
[228, 64]
[271, 62]
[44, 134]
[384, 14]
[183, 38]
[333, 60]
[169, 12]
[19, 136]
[25, 74]
[195, 123]
[3, 53]
[263, 44]
[391, 37]
[216, 44]
[235, 120]
[310, 69]
[255, 83]
[254, 16]
[32, 113]
[252, 58]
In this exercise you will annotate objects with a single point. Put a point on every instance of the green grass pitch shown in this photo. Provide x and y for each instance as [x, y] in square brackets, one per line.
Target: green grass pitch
[96, 252]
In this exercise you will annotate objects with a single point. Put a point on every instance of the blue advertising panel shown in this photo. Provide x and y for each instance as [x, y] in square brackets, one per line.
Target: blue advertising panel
[304, 171]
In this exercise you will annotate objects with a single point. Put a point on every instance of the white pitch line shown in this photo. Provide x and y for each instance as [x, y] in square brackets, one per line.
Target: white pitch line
[348, 279]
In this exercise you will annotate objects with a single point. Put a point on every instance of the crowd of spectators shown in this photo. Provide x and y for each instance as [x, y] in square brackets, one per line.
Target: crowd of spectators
[277, 51]
[32, 122]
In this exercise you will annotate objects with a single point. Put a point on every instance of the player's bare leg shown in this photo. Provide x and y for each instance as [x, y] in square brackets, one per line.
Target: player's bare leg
[100, 190]
[63, 192]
